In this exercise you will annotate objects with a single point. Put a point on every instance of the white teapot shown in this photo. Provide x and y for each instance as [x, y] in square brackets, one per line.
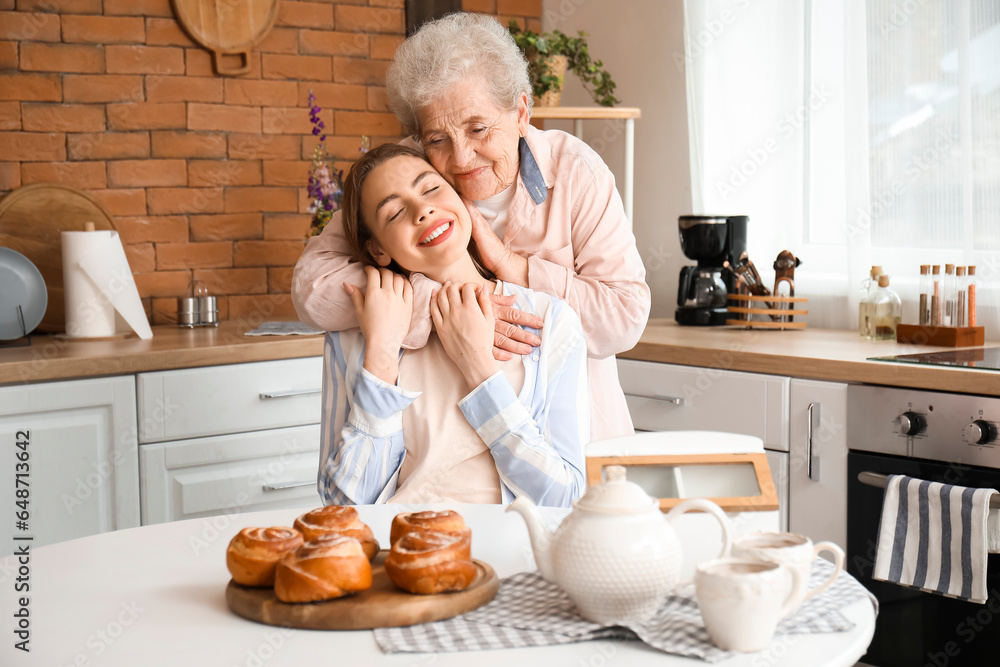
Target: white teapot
[616, 555]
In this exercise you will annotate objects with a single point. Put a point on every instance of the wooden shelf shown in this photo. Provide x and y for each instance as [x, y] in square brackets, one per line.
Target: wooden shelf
[585, 113]
[580, 114]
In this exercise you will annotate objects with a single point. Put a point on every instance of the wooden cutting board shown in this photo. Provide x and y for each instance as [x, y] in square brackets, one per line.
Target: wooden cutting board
[32, 219]
[227, 27]
[381, 606]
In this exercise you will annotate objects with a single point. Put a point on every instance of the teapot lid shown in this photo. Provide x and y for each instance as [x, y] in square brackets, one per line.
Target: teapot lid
[616, 495]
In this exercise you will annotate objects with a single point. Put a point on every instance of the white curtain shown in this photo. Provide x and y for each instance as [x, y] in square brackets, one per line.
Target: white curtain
[852, 134]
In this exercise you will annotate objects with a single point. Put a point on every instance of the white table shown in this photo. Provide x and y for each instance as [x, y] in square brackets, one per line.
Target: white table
[156, 596]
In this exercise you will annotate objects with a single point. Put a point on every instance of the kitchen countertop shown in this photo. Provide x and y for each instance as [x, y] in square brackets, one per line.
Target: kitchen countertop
[52, 357]
[820, 354]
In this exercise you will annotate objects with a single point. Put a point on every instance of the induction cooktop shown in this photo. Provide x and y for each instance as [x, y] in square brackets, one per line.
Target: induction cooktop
[987, 358]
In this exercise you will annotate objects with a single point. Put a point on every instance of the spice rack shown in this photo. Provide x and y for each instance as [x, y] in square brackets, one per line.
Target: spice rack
[943, 303]
[765, 312]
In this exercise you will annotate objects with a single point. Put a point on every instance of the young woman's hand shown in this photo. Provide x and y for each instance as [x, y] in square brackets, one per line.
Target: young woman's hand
[384, 311]
[463, 319]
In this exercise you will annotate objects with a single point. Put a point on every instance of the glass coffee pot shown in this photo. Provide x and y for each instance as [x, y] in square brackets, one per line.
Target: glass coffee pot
[709, 289]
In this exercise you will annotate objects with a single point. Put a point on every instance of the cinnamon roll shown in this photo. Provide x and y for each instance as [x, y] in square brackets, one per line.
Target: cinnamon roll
[337, 519]
[446, 521]
[254, 553]
[328, 567]
[428, 562]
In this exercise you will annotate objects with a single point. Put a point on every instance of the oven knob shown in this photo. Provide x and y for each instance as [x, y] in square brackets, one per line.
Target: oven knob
[910, 423]
[980, 432]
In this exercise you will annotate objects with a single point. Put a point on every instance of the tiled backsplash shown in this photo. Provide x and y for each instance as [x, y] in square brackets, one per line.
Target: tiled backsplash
[204, 174]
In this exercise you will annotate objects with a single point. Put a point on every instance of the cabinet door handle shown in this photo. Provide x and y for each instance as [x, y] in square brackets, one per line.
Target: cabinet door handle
[812, 460]
[293, 392]
[669, 399]
[286, 485]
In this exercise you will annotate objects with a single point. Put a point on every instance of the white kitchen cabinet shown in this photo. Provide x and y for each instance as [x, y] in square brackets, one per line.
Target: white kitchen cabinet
[666, 397]
[243, 472]
[213, 400]
[82, 459]
[234, 438]
[778, 462]
[817, 432]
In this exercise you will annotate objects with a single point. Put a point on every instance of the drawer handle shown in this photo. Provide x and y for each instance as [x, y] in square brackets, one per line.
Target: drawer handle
[293, 392]
[669, 399]
[287, 485]
[812, 459]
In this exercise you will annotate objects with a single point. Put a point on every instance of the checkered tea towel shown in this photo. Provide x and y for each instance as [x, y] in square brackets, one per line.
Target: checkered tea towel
[529, 611]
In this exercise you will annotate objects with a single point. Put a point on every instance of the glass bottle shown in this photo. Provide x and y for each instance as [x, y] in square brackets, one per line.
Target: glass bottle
[868, 286]
[949, 296]
[924, 309]
[886, 309]
[972, 296]
[961, 300]
[936, 295]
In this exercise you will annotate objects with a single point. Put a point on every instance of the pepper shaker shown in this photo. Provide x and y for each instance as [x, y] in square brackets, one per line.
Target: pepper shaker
[197, 309]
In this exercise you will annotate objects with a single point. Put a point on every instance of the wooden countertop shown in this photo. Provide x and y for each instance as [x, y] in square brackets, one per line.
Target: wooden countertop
[820, 354]
[51, 357]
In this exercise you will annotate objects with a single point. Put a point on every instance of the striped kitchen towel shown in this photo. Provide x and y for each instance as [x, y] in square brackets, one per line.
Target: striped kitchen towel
[933, 537]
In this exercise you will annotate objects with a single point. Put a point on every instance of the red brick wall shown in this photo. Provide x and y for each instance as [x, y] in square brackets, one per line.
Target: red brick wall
[204, 174]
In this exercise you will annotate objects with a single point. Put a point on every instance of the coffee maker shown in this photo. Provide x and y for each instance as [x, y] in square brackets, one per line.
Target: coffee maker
[710, 240]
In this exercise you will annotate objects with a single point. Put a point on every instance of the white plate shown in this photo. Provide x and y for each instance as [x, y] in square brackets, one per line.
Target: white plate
[22, 285]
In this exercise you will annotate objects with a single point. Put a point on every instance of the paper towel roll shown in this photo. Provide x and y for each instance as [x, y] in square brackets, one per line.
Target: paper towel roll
[98, 282]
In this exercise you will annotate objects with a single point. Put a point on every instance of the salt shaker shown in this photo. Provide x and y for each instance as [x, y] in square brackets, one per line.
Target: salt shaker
[197, 309]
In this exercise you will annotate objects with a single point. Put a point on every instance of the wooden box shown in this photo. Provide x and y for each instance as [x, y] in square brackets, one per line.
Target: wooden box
[917, 334]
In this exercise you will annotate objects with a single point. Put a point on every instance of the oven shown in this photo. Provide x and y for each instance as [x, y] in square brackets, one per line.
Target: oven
[949, 438]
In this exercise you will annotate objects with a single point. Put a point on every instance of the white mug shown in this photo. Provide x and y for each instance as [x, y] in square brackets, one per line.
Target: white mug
[741, 600]
[797, 551]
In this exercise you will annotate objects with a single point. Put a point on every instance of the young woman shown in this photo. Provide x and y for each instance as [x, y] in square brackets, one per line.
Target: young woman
[446, 422]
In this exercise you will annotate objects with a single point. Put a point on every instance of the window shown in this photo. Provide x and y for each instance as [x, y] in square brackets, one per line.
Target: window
[852, 133]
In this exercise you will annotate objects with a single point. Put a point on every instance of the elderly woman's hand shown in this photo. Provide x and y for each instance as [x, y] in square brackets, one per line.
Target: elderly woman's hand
[508, 337]
[498, 258]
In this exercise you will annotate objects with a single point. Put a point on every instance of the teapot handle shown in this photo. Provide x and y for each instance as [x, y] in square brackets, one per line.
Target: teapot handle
[713, 509]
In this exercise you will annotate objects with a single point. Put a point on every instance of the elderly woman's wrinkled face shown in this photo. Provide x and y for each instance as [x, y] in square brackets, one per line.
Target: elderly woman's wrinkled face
[472, 142]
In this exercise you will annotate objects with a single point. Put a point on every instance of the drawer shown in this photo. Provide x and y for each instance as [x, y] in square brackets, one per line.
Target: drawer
[665, 397]
[229, 474]
[214, 400]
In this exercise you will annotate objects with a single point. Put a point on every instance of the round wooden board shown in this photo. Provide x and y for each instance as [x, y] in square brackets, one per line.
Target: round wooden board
[227, 27]
[32, 219]
[381, 606]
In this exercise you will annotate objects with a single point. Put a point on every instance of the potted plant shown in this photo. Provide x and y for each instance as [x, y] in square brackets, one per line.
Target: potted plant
[551, 54]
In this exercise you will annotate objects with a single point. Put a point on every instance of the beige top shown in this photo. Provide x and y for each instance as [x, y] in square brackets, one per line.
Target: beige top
[443, 452]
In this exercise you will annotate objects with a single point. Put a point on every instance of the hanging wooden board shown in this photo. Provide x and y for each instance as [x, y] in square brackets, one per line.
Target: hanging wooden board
[381, 606]
[227, 27]
[32, 219]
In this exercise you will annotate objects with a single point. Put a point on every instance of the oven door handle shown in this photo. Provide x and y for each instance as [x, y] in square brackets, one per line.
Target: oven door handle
[812, 460]
[879, 481]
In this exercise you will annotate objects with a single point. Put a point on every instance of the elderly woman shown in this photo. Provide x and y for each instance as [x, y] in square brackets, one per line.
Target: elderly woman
[546, 212]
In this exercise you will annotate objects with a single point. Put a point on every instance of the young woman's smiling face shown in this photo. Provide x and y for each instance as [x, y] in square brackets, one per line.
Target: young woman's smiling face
[416, 217]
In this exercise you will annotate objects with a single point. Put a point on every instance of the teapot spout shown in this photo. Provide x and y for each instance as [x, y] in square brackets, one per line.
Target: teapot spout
[540, 535]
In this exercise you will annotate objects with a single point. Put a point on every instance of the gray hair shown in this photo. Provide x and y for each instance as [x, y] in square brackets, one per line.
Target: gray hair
[478, 44]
